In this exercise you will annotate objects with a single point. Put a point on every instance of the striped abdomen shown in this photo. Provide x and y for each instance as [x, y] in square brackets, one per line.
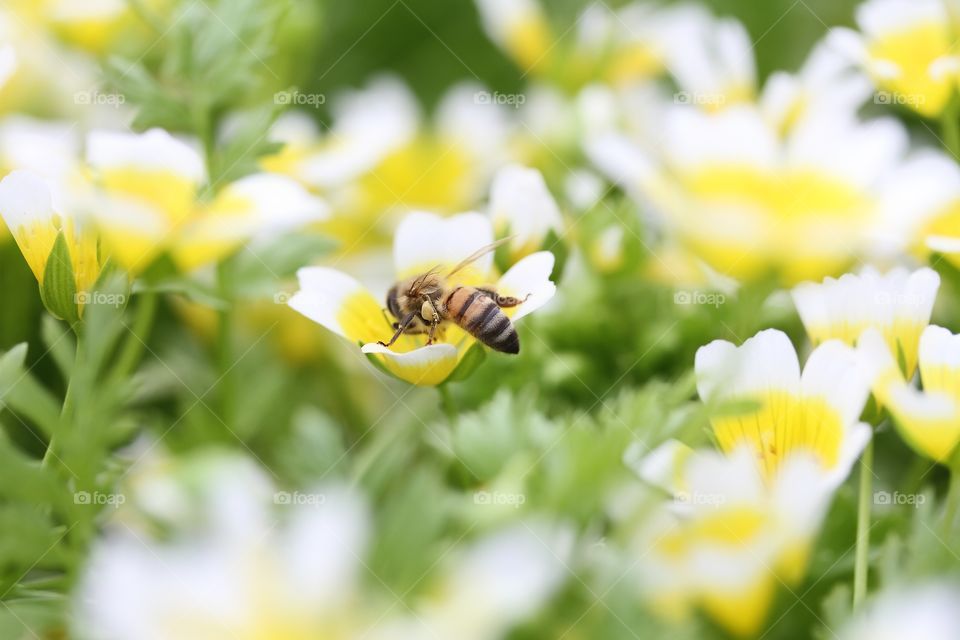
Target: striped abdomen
[478, 314]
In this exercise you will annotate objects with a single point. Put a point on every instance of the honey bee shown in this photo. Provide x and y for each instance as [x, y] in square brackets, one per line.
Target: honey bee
[423, 303]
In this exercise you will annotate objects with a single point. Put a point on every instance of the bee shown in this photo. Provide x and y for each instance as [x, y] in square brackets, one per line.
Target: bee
[424, 303]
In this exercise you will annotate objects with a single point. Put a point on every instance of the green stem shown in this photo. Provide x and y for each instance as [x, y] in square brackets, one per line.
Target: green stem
[129, 358]
[446, 401]
[69, 400]
[863, 526]
[953, 499]
[950, 128]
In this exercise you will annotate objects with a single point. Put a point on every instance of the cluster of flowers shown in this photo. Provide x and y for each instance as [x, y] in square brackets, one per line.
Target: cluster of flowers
[742, 180]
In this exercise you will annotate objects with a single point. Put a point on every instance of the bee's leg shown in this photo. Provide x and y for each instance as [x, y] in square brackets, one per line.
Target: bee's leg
[429, 309]
[400, 328]
[502, 301]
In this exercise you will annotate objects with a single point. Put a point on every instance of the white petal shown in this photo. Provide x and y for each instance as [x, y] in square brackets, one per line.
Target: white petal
[529, 277]
[427, 366]
[511, 573]
[622, 161]
[943, 244]
[765, 362]
[833, 372]
[880, 17]
[875, 356]
[323, 545]
[8, 63]
[322, 294]
[854, 442]
[425, 240]
[277, 203]
[520, 199]
[662, 467]
[848, 43]
[154, 150]
[25, 199]
[939, 347]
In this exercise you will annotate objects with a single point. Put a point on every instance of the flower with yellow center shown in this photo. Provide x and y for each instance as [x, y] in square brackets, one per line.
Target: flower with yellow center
[898, 304]
[423, 241]
[815, 412]
[36, 222]
[751, 200]
[743, 519]
[929, 190]
[147, 200]
[909, 49]
[928, 420]
[381, 159]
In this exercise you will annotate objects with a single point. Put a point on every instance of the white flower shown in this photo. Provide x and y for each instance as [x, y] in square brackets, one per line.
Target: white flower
[815, 412]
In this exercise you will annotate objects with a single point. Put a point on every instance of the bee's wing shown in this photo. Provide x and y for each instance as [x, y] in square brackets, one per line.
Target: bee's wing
[479, 253]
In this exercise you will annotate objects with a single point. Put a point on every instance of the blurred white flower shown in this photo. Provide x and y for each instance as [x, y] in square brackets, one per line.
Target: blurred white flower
[246, 573]
[749, 201]
[146, 201]
[730, 535]
[908, 48]
[927, 611]
[490, 586]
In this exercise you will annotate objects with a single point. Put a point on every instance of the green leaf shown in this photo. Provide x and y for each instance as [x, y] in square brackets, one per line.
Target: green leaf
[471, 360]
[60, 344]
[59, 288]
[21, 393]
[189, 289]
